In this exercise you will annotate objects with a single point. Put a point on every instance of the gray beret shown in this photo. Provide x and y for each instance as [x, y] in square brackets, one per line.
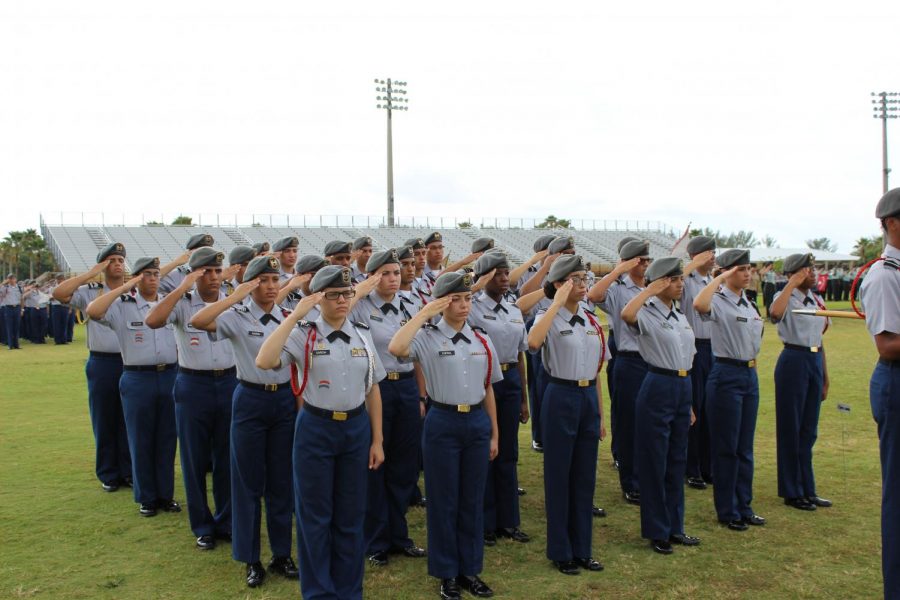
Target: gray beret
[261, 265]
[404, 252]
[200, 240]
[561, 244]
[563, 266]
[261, 247]
[206, 257]
[416, 243]
[543, 242]
[624, 241]
[489, 261]
[795, 262]
[309, 263]
[664, 267]
[482, 244]
[733, 258]
[336, 247]
[143, 264]
[240, 255]
[633, 249]
[284, 243]
[889, 205]
[360, 243]
[699, 244]
[434, 237]
[379, 259]
[454, 282]
[330, 276]
[114, 249]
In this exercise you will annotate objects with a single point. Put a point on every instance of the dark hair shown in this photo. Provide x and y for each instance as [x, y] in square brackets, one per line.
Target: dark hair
[550, 290]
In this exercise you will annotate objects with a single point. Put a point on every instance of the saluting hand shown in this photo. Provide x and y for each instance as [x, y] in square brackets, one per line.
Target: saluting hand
[797, 279]
[435, 307]
[627, 265]
[133, 282]
[701, 259]
[365, 287]
[376, 456]
[306, 304]
[297, 280]
[539, 256]
[243, 290]
[483, 280]
[726, 274]
[186, 256]
[230, 272]
[99, 267]
[656, 287]
[191, 278]
[562, 294]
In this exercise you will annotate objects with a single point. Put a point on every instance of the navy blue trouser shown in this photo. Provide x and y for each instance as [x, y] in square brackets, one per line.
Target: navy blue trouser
[698, 458]
[799, 378]
[113, 456]
[330, 478]
[571, 442]
[610, 386]
[884, 395]
[262, 437]
[663, 417]
[59, 319]
[12, 322]
[70, 326]
[732, 401]
[391, 486]
[28, 317]
[628, 376]
[150, 419]
[456, 452]
[501, 492]
[203, 417]
[537, 385]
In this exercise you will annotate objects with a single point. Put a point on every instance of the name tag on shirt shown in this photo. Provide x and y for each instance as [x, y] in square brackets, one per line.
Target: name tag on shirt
[376, 318]
[446, 352]
[255, 333]
[321, 352]
[489, 317]
[566, 332]
[742, 319]
[137, 323]
[354, 352]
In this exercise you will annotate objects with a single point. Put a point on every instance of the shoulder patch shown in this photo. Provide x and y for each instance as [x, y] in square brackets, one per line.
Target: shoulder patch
[241, 309]
[184, 269]
[429, 326]
[360, 325]
[478, 329]
[127, 298]
[892, 263]
[304, 323]
[721, 294]
[94, 285]
[187, 295]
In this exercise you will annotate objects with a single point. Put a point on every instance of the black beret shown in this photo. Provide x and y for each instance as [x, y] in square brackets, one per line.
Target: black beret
[261, 247]
[561, 244]
[489, 261]
[362, 242]
[482, 244]
[240, 255]
[114, 249]
[699, 244]
[543, 242]
[433, 237]
[634, 249]
[624, 241]
[330, 276]
[261, 265]
[454, 282]
[416, 243]
[733, 258]
[143, 264]
[563, 266]
[889, 205]
[284, 243]
[309, 264]
[795, 262]
[664, 267]
[404, 252]
[337, 247]
[206, 257]
[379, 259]
[200, 240]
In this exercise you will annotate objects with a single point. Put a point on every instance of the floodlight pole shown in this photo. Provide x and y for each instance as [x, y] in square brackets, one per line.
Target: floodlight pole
[887, 106]
[395, 99]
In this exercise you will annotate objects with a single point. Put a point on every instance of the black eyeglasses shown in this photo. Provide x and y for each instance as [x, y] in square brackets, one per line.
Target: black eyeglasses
[646, 261]
[335, 295]
[582, 280]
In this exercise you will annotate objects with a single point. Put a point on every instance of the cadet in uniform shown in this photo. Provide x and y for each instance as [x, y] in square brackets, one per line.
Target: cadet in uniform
[262, 248]
[203, 390]
[298, 287]
[663, 404]
[460, 435]
[35, 315]
[11, 303]
[338, 253]
[418, 286]
[337, 437]
[732, 391]
[174, 277]
[612, 293]
[103, 368]
[505, 325]
[262, 420]
[697, 274]
[801, 383]
[881, 297]
[149, 360]
[240, 257]
[408, 293]
[285, 251]
[59, 315]
[362, 251]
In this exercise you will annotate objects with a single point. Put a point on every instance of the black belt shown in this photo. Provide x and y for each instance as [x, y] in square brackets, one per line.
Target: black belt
[334, 415]
[106, 354]
[574, 382]
[749, 364]
[398, 375]
[462, 408]
[889, 363]
[208, 373]
[156, 368]
[507, 366]
[669, 372]
[265, 387]
[702, 341]
[630, 353]
[812, 349]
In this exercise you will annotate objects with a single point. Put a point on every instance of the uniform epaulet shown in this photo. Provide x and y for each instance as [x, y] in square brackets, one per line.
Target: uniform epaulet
[127, 298]
[429, 326]
[241, 309]
[304, 323]
[649, 303]
[94, 285]
[541, 311]
[721, 294]
[618, 282]
[360, 325]
[478, 329]
[892, 263]
[678, 310]
[187, 295]
[184, 269]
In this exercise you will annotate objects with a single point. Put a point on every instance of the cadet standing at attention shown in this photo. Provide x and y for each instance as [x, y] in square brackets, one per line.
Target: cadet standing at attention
[572, 344]
[174, 277]
[203, 390]
[663, 404]
[732, 391]
[460, 435]
[408, 293]
[11, 303]
[505, 326]
[285, 250]
[881, 297]
[149, 360]
[362, 251]
[338, 253]
[337, 436]
[262, 420]
[801, 383]
[238, 259]
[103, 368]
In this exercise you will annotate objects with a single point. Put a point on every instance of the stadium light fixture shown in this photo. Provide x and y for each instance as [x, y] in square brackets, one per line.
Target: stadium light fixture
[886, 105]
[390, 102]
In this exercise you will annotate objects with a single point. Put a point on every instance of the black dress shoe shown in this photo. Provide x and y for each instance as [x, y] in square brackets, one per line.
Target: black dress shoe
[255, 574]
[284, 565]
[127, 482]
[598, 512]
[474, 586]
[449, 589]
[755, 520]
[520, 491]
[420, 502]
[800, 503]
[206, 542]
[515, 534]
[616, 465]
[410, 551]
[820, 502]
[379, 559]
[490, 539]
[589, 564]
[661, 546]
[537, 447]
[697, 483]
[567, 567]
[168, 505]
[148, 509]
[632, 497]
[112, 486]
[684, 540]
[736, 525]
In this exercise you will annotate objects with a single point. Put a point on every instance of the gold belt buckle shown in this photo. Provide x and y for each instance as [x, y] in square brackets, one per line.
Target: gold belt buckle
[584, 382]
[160, 368]
[813, 348]
[682, 372]
[463, 408]
[393, 376]
[271, 387]
[504, 367]
[339, 416]
[218, 372]
[751, 363]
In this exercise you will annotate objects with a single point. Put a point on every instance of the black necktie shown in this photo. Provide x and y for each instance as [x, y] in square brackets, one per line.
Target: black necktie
[671, 314]
[500, 307]
[267, 317]
[460, 336]
[388, 307]
[808, 301]
[337, 334]
[576, 319]
[742, 302]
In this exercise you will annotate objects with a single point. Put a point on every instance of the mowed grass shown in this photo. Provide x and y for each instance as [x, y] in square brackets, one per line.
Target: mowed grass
[62, 537]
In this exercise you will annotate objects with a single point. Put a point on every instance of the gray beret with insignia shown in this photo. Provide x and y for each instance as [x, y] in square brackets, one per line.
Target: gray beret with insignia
[331, 276]
[889, 205]
[240, 255]
[416, 243]
[561, 244]
[624, 241]
[200, 240]
[664, 267]
[144, 263]
[309, 263]
[633, 249]
[404, 252]
[733, 258]
[482, 244]
[261, 265]
[433, 237]
[543, 242]
[284, 243]
[795, 262]
[261, 247]
[699, 244]
[454, 282]
[336, 247]
[564, 266]
[206, 257]
[363, 242]
[114, 249]
[379, 259]
[489, 261]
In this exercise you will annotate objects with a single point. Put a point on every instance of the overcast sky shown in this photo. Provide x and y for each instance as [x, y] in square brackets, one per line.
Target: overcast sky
[750, 115]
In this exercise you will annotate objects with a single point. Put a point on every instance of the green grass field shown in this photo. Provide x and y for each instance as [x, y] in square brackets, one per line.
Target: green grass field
[61, 536]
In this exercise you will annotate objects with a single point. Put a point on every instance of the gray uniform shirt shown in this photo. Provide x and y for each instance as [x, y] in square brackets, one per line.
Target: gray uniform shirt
[140, 344]
[665, 338]
[693, 284]
[412, 300]
[174, 278]
[880, 294]
[243, 327]
[455, 373]
[802, 330]
[737, 328]
[197, 349]
[618, 295]
[100, 336]
[33, 299]
[383, 319]
[10, 295]
[572, 347]
[503, 322]
[340, 370]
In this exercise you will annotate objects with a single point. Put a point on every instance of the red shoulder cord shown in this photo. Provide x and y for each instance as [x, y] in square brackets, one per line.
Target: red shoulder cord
[296, 386]
[821, 304]
[856, 279]
[599, 329]
[490, 358]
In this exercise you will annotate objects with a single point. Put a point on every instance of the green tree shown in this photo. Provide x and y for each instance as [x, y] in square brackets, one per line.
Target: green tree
[182, 220]
[464, 225]
[822, 243]
[154, 224]
[551, 222]
[26, 252]
[868, 248]
[769, 242]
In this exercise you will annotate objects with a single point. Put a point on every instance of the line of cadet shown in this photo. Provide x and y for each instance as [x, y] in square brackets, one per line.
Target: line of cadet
[322, 384]
[27, 310]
